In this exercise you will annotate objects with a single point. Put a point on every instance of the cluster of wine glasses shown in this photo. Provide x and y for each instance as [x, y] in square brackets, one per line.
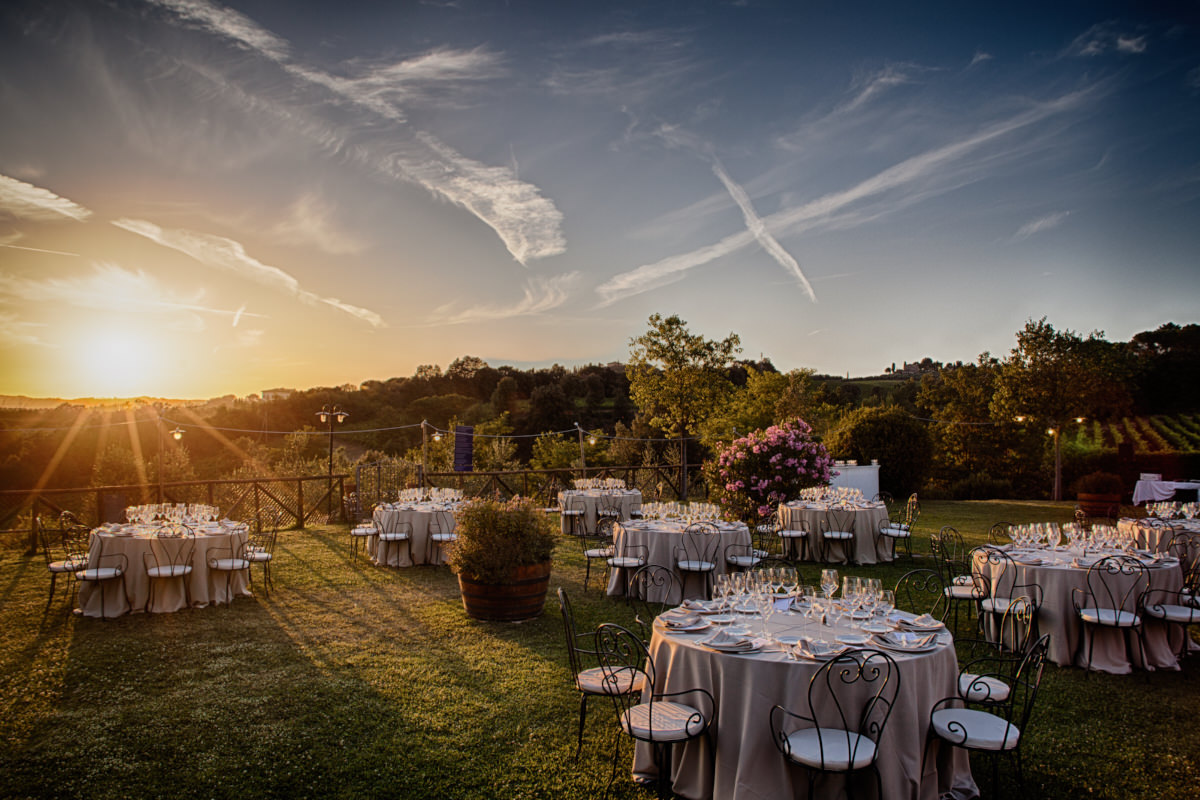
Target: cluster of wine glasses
[688, 512]
[1170, 510]
[429, 493]
[832, 496]
[755, 593]
[1100, 538]
[1035, 535]
[603, 484]
[173, 513]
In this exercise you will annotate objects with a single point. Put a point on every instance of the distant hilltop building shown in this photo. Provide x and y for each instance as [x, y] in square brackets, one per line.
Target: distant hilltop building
[277, 394]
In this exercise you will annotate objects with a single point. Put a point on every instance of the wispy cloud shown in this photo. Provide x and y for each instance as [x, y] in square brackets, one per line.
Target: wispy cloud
[1040, 224]
[229, 255]
[1104, 37]
[871, 86]
[529, 224]
[979, 58]
[310, 220]
[915, 179]
[26, 201]
[541, 294]
[16, 332]
[11, 242]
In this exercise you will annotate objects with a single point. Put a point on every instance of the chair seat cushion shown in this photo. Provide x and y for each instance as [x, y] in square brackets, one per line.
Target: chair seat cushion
[170, 571]
[570, 513]
[896, 533]
[788, 533]
[841, 535]
[592, 681]
[976, 730]
[1110, 617]
[743, 561]
[258, 556]
[831, 749]
[626, 562]
[997, 605]
[983, 688]
[229, 564]
[1173, 613]
[961, 593]
[99, 573]
[393, 537]
[662, 722]
[444, 537]
[598, 552]
[696, 566]
[363, 532]
[66, 566]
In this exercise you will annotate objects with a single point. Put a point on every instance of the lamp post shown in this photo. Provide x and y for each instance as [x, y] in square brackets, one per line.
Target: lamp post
[176, 434]
[1055, 430]
[582, 456]
[328, 415]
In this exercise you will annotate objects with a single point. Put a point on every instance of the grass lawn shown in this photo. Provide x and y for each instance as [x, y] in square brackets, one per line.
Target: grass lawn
[356, 681]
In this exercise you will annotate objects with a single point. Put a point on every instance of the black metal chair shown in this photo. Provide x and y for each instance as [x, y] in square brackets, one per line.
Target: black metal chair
[797, 542]
[626, 555]
[850, 699]
[838, 528]
[1000, 580]
[1114, 588]
[441, 536]
[741, 557]
[998, 534]
[660, 719]
[385, 540]
[100, 567]
[952, 560]
[360, 538]
[696, 554]
[572, 509]
[921, 591]
[589, 680]
[260, 549]
[169, 559]
[1012, 639]
[598, 546]
[993, 726]
[229, 560]
[58, 560]
[652, 590]
[901, 528]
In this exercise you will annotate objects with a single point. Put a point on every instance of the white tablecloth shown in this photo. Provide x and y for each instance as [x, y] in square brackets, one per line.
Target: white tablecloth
[661, 537]
[592, 500]
[1155, 491]
[418, 516]
[866, 529]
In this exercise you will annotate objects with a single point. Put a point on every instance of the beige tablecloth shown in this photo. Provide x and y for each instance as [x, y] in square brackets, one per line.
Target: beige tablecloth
[1057, 617]
[419, 515]
[592, 500]
[1156, 534]
[660, 538]
[866, 529]
[204, 586]
[747, 764]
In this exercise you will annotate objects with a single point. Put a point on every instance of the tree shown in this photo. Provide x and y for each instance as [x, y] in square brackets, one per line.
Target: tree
[968, 441]
[1053, 378]
[677, 379]
[891, 435]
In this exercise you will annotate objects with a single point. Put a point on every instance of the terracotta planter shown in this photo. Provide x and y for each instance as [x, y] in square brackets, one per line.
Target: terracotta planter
[522, 597]
[1098, 505]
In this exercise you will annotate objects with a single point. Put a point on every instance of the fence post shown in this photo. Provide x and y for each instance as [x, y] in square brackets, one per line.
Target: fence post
[300, 502]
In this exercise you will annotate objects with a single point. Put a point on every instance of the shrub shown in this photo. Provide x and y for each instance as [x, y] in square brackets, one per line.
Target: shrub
[766, 467]
[981, 486]
[494, 537]
[900, 442]
[1099, 483]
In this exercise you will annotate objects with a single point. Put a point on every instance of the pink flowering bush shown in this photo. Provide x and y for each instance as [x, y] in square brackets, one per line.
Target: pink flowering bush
[753, 474]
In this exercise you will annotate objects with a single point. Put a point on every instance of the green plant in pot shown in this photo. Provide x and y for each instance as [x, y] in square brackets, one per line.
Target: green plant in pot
[1099, 492]
[502, 558]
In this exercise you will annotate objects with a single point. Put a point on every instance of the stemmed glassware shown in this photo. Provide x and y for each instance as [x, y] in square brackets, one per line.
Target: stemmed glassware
[829, 582]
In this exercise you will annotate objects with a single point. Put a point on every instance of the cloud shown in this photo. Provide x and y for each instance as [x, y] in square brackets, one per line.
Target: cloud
[26, 201]
[877, 83]
[310, 221]
[979, 58]
[541, 294]
[11, 240]
[231, 256]
[529, 224]
[1104, 38]
[1041, 224]
[915, 179]
[15, 332]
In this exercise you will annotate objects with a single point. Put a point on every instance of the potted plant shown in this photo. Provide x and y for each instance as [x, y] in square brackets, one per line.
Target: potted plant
[1098, 493]
[502, 558]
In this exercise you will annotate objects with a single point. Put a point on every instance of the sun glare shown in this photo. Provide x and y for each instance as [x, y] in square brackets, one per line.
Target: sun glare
[119, 364]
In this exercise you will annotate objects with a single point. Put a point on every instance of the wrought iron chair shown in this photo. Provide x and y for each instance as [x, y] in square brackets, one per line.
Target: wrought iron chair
[169, 559]
[921, 591]
[998, 534]
[900, 528]
[1185, 546]
[360, 537]
[626, 556]
[765, 536]
[658, 718]
[797, 542]
[992, 725]
[952, 560]
[885, 498]
[1177, 608]
[997, 576]
[100, 567]
[229, 560]
[741, 557]
[589, 681]
[58, 560]
[1112, 596]
[608, 506]
[597, 546]
[260, 549]
[572, 509]
[696, 553]
[1012, 640]
[652, 590]
[441, 536]
[850, 699]
[401, 533]
[838, 528]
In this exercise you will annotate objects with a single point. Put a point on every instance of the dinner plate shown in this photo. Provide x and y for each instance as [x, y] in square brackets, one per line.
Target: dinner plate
[913, 650]
[721, 619]
[853, 639]
[790, 641]
[877, 627]
[699, 626]
[751, 648]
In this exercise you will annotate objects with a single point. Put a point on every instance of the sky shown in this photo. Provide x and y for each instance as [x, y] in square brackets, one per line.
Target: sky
[202, 198]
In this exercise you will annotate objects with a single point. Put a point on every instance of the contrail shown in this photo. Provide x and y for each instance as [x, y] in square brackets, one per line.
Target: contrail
[39, 250]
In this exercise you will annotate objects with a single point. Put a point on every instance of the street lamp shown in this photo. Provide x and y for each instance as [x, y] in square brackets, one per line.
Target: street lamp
[328, 415]
[176, 434]
[1055, 430]
[582, 457]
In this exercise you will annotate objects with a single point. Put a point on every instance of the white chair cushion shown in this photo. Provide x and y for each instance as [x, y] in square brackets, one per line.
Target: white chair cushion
[571, 513]
[961, 592]
[1110, 617]
[445, 537]
[696, 566]
[896, 533]
[842, 535]
[66, 566]
[229, 564]
[592, 681]
[743, 561]
[258, 556]
[996, 605]
[977, 730]
[599, 552]
[983, 688]
[1173, 613]
[170, 571]
[393, 537]
[99, 574]
[363, 532]
[625, 562]
[788, 533]
[806, 748]
[662, 722]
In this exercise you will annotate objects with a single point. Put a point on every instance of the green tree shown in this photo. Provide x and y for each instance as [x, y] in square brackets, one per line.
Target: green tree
[677, 379]
[967, 440]
[891, 435]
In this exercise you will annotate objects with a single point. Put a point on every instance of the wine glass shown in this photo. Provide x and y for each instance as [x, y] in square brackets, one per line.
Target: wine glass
[829, 582]
[885, 603]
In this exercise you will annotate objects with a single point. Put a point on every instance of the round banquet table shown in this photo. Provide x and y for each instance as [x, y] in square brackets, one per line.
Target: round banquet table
[418, 516]
[625, 501]
[1156, 534]
[745, 687]
[660, 537]
[131, 593]
[867, 519]
[1056, 616]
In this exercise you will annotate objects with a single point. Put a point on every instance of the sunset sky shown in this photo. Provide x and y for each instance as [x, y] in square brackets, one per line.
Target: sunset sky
[199, 199]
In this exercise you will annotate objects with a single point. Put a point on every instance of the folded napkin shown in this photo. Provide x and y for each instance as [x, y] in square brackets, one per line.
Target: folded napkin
[680, 619]
[924, 621]
[696, 605]
[729, 641]
[813, 649]
[907, 639]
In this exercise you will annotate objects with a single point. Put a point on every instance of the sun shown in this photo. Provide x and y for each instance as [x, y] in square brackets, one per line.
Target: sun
[119, 363]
